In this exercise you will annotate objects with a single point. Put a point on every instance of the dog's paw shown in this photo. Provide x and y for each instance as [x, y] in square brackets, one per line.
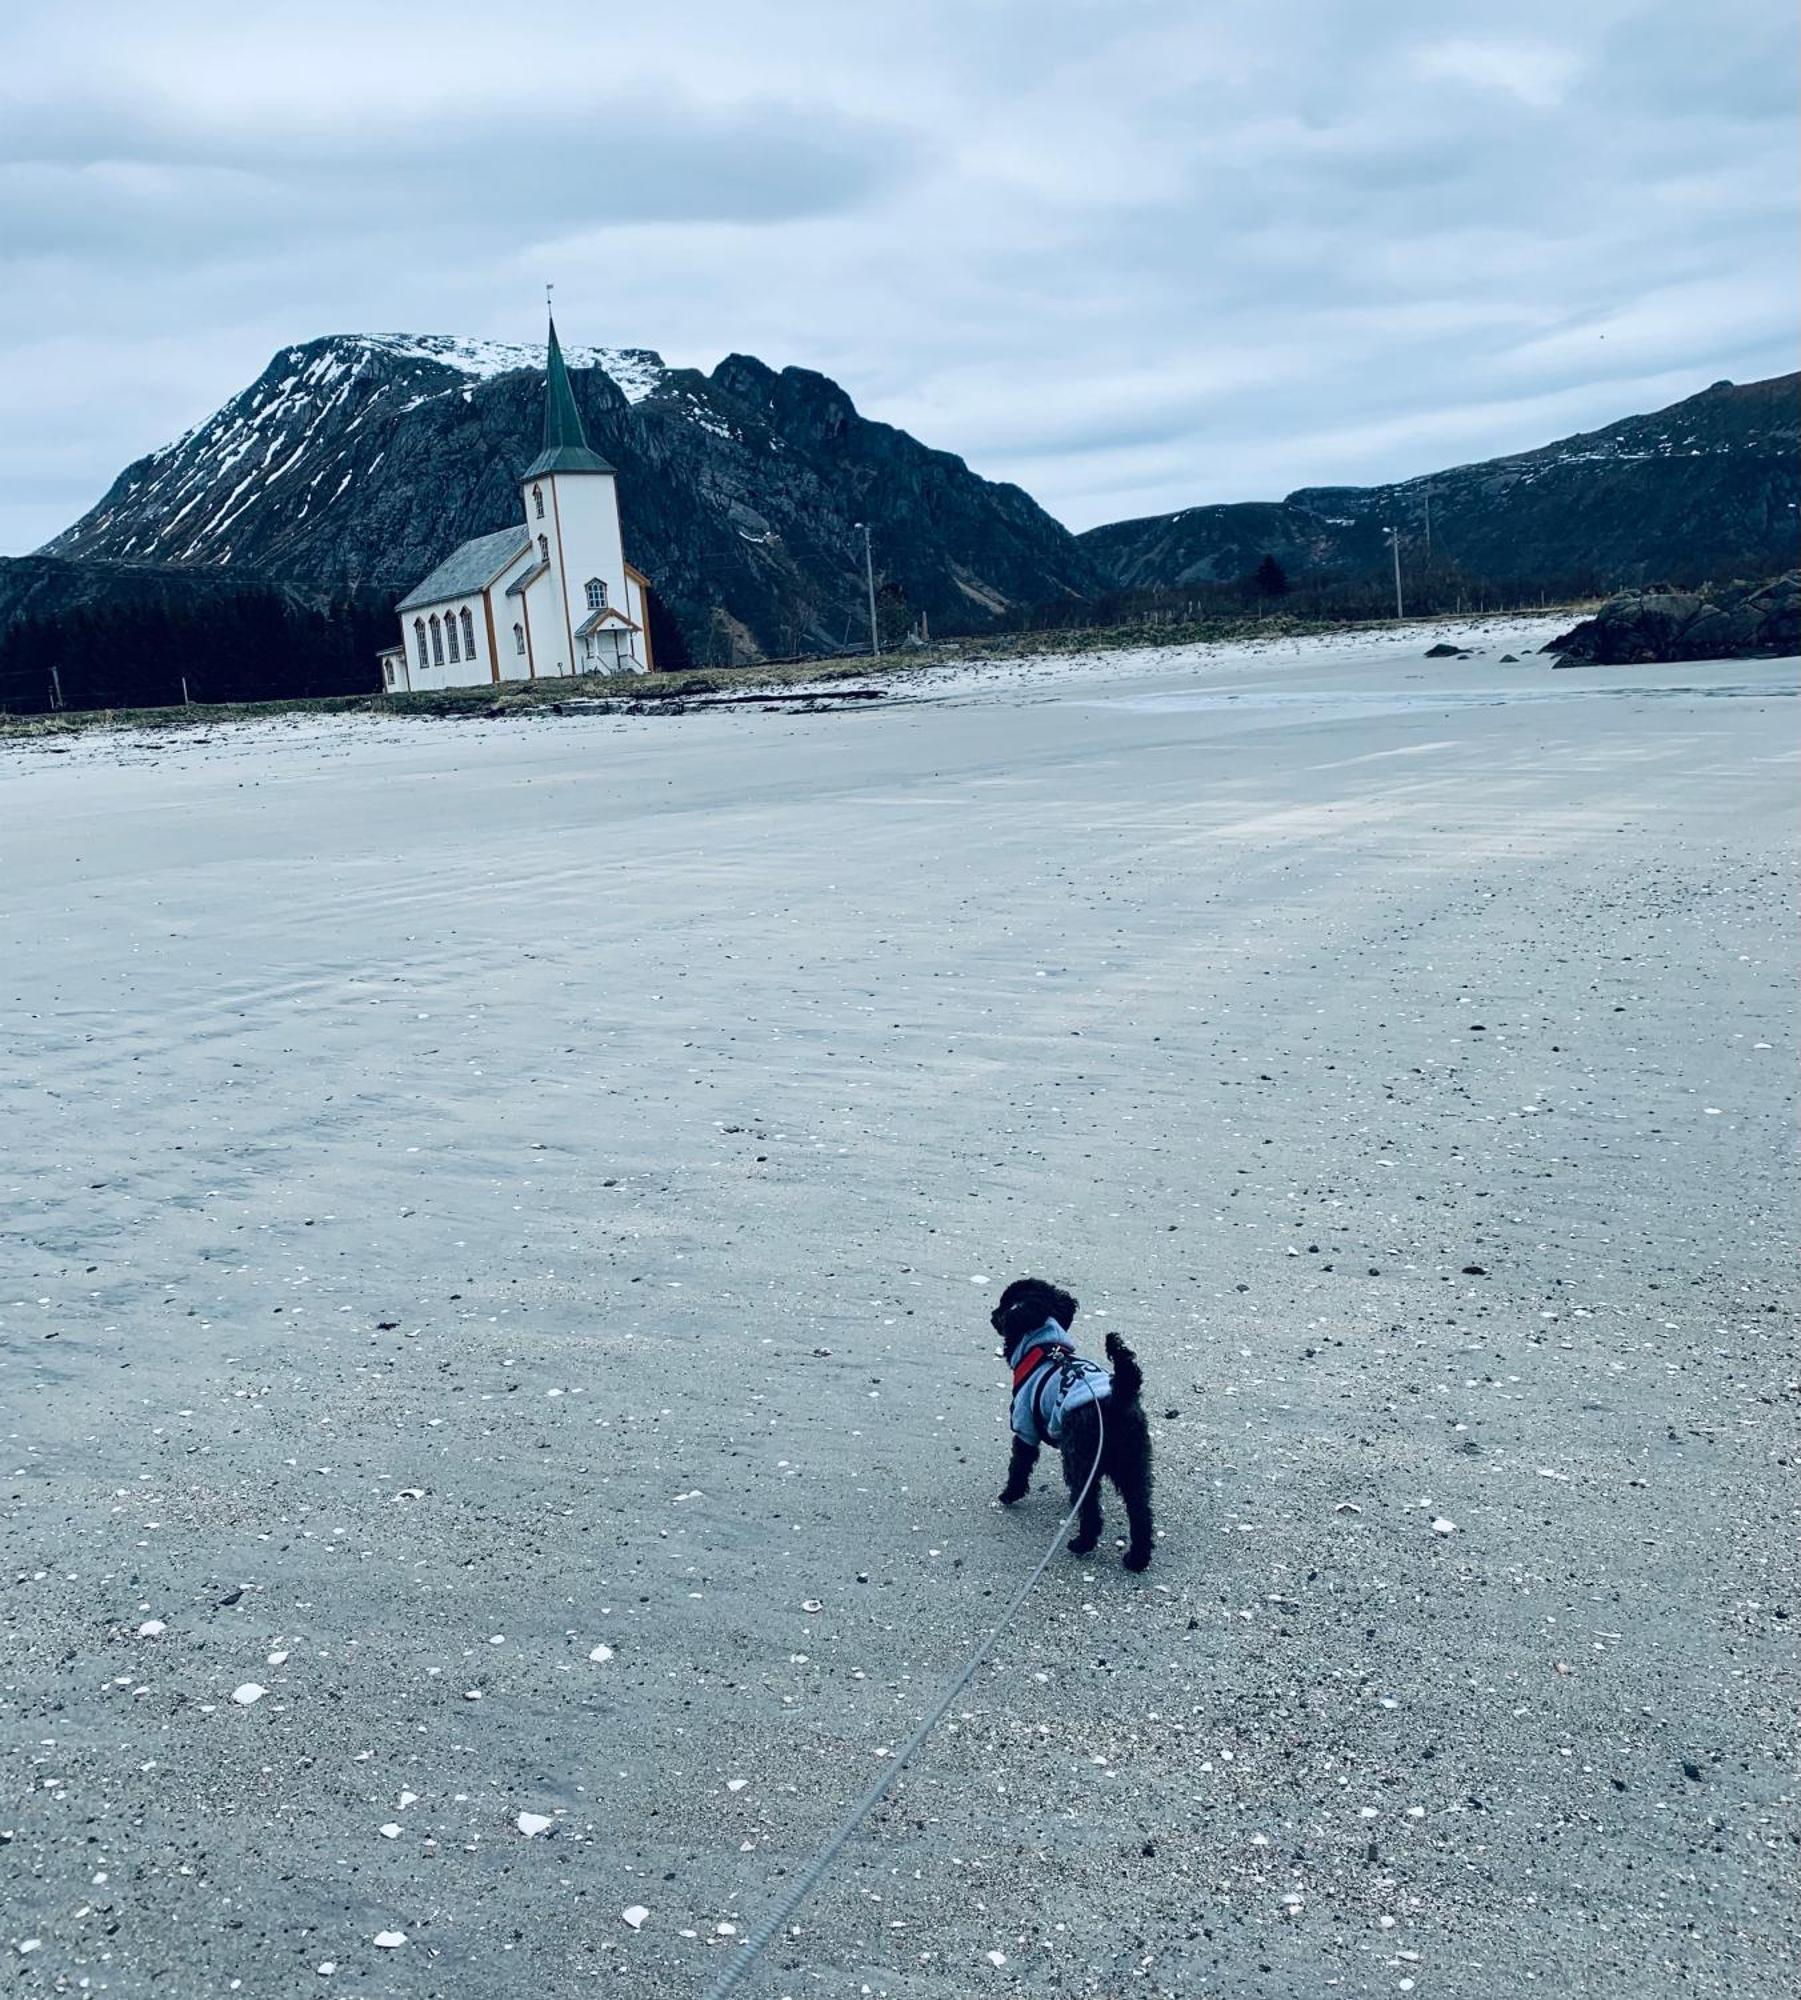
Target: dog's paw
[1083, 1545]
[1137, 1558]
[1008, 1494]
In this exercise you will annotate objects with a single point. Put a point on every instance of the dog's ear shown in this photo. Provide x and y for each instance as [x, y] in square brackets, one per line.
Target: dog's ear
[1061, 1307]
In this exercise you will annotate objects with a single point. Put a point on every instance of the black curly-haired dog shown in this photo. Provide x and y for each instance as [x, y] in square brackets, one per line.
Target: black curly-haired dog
[1075, 1405]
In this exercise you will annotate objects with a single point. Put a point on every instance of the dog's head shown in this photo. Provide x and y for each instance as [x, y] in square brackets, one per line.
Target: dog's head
[1025, 1306]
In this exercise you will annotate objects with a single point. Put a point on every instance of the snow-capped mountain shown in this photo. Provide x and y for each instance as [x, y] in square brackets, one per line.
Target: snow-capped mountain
[292, 438]
[366, 458]
[1705, 488]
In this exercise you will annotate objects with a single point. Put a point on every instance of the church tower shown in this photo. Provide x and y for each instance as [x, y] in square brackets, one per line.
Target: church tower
[572, 514]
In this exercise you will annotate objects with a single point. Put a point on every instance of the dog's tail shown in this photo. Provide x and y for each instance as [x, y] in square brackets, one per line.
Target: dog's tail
[1127, 1378]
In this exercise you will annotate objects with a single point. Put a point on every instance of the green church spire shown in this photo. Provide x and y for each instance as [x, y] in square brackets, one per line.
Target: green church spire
[566, 447]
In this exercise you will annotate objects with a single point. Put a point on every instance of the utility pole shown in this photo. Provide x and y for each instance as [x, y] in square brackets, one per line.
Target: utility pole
[1428, 523]
[1394, 542]
[56, 688]
[875, 637]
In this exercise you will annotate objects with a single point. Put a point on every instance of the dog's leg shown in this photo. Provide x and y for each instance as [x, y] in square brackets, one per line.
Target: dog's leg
[1019, 1471]
[1133, 1480]
[1078, 1460]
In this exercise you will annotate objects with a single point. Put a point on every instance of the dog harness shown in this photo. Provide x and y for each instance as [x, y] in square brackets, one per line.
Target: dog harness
[1050, 1379]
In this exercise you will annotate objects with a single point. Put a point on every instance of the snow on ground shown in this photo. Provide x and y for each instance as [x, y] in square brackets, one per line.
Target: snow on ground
[501, 1426]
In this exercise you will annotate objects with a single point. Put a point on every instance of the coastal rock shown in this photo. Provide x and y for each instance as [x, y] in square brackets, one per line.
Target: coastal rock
[1732, 622]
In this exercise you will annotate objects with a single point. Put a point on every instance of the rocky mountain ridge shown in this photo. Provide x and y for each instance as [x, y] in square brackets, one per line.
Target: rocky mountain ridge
[1707, 487]
[364, 459]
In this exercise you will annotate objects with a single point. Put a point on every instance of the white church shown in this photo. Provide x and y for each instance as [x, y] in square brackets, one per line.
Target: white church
[551, 597]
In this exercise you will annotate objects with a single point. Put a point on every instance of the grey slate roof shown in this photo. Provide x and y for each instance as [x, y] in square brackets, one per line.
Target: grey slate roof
[526, 578]
[608, 614]
[466, 570]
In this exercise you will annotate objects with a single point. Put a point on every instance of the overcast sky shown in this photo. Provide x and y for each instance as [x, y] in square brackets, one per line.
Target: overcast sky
[1133, 254]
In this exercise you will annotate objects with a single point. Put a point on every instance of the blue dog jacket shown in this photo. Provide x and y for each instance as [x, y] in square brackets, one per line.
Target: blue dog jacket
[1050, 1379]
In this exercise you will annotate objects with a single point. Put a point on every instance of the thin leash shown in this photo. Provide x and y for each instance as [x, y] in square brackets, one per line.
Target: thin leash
[738, 1970]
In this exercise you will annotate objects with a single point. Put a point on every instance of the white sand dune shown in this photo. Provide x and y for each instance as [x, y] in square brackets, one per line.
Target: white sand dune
[499, 1219]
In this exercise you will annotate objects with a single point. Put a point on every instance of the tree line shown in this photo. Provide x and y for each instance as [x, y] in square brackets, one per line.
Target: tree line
[1431, 586]
[257, 644]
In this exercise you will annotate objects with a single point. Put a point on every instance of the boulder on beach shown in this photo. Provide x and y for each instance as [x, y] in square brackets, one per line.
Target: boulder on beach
[1443, 652]
[1734, 621]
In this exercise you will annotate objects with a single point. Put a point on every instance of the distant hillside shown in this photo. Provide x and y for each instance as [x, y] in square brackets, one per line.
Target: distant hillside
[1706, 488]
[364, 459]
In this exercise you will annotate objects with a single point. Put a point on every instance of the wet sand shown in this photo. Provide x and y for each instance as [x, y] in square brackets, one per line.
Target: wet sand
[477, 1195]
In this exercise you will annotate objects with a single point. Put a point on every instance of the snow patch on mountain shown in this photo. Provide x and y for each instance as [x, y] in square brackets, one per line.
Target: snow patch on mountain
[635, 371]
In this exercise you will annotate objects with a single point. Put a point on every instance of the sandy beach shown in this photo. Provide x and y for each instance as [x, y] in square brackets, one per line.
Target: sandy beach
[496, 1232]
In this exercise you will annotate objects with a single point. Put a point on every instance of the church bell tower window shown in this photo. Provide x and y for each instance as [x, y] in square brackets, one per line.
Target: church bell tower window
[544, 548]
[538, 501]
[597, 594]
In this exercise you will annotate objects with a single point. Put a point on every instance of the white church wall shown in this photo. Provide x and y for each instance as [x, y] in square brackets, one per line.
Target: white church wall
[544, 623]
[585, 509]
[434, 668]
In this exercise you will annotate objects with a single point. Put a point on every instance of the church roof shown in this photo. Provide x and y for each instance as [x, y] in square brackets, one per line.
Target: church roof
[608, 614]
[566, 447]
[468, 569]
[526, 578]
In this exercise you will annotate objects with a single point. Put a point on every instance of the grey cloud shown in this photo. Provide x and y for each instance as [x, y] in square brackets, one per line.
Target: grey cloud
[1135, 258]
[104, 178]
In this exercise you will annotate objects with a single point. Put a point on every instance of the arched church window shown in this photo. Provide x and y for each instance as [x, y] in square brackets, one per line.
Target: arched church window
[544, 548]
[538, 500]
[419, 635]
[450, 637]
[518, 638]
[468, 633]
[437, 641]
[597, 594]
